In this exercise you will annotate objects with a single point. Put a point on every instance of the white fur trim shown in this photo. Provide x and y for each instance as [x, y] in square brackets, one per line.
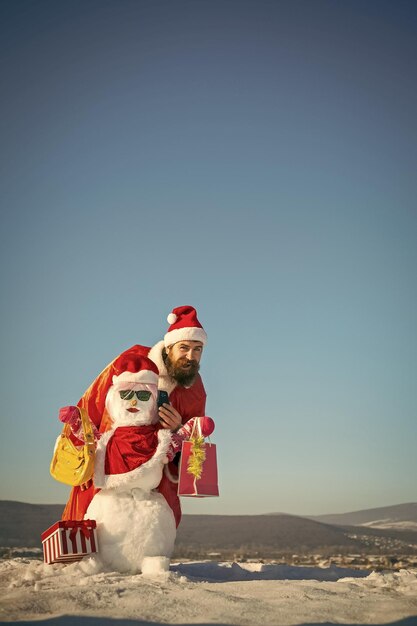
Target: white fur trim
[164, 382]
[109, 481]
[144, 376]
[100, 458]
[190, 333]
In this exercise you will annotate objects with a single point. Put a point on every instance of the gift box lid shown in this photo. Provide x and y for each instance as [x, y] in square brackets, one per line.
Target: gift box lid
[90, 524]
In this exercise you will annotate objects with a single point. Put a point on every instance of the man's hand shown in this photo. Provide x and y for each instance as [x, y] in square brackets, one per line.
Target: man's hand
[169, 417]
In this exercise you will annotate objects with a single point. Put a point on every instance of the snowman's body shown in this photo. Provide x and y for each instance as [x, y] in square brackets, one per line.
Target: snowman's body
[134, 522]
[135, 525]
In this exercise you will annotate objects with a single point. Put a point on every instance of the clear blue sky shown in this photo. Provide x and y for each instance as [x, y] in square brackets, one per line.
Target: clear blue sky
[256, 159]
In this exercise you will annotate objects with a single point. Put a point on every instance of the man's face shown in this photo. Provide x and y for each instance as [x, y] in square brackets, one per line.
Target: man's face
[183, 360]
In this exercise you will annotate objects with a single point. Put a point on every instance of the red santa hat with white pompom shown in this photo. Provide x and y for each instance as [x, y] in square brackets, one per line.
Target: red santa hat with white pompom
[184, 326]
[134, 368]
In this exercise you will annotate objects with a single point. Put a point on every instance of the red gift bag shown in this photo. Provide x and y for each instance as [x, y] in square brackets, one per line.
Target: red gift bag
[207, 484]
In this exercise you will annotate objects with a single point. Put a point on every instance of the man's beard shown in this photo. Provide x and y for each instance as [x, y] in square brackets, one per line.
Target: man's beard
[184, 377]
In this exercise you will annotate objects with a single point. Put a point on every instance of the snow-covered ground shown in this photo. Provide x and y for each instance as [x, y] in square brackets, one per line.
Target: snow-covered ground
[204, 593]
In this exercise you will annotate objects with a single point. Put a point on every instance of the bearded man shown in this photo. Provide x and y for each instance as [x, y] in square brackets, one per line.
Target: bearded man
[177, 358]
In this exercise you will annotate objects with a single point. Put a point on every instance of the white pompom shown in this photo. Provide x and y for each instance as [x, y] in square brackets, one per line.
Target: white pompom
[171, 318]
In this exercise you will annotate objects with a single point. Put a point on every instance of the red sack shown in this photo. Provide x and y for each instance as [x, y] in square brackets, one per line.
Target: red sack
[207, 484]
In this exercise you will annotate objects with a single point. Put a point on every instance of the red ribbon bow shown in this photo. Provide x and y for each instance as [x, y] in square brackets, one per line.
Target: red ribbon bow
[75, 525]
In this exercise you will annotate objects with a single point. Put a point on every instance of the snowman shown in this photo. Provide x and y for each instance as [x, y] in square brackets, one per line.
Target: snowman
[135, 525]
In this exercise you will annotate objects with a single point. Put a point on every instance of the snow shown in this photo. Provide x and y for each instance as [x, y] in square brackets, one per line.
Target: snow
[204, 592]
[389, 524]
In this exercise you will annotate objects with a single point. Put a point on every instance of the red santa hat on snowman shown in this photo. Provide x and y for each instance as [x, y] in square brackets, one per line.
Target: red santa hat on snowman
[131, 369]
[184, 326]
[134, 368]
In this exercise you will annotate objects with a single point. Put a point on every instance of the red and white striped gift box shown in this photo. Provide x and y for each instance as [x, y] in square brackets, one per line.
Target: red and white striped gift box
[68, 540]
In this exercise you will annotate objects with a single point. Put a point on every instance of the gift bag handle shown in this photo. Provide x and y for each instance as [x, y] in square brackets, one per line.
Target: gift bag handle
[197, 426]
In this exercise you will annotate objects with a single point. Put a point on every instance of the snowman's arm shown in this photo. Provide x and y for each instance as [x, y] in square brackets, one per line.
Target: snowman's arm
[205, 427]
[182, 434]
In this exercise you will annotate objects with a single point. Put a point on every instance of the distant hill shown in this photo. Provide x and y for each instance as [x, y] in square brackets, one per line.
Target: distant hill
[400, 516]
[229, 535]
[281, 534]
[259, 534]
[21, 524]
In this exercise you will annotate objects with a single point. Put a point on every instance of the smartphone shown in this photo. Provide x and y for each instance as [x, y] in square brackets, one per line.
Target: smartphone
[163, 397]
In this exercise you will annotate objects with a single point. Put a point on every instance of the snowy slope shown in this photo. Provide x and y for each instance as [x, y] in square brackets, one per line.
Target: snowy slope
[397, 517]
[204, 592]
[390, 524]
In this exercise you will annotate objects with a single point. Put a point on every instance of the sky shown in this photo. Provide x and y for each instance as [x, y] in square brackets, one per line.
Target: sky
[255, 159]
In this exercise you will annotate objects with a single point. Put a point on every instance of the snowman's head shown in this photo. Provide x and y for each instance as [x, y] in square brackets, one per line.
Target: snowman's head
[132, 404]
[132, 398]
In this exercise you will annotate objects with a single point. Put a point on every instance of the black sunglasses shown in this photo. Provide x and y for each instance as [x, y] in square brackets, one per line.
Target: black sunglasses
[128, 394]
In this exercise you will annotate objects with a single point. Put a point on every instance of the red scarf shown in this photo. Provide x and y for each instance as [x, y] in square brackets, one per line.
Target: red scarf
[129, 447]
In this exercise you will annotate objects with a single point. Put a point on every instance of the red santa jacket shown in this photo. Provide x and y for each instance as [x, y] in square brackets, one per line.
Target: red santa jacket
[189, 402]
